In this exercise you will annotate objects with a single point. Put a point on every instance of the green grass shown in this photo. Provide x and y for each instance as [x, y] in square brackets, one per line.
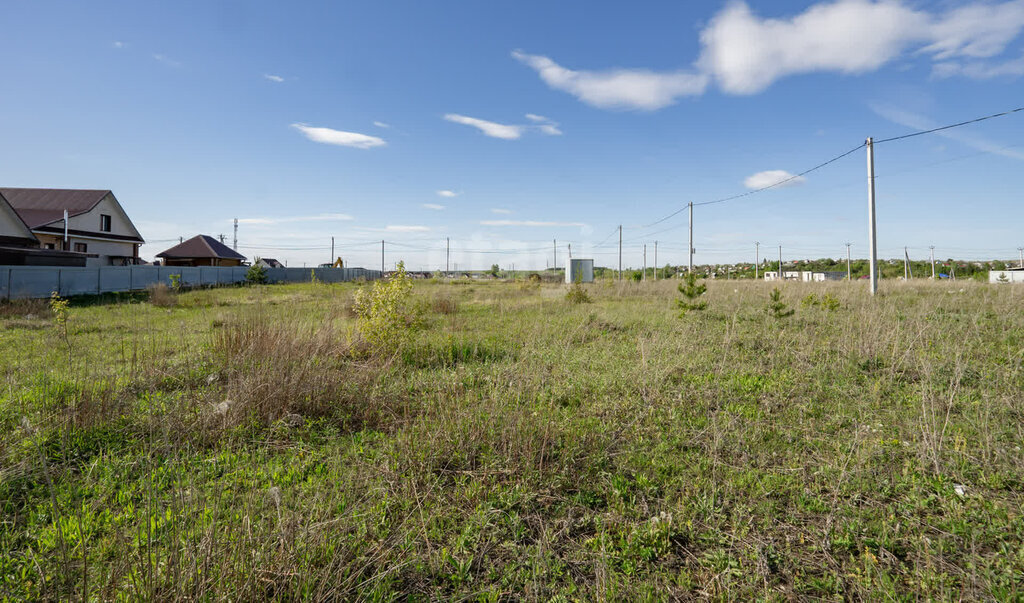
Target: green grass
[242, 444]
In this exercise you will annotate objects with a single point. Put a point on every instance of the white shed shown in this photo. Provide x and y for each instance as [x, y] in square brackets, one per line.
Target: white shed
[579, 271]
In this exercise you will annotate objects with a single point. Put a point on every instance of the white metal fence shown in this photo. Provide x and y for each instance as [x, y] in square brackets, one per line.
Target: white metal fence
[17, 282]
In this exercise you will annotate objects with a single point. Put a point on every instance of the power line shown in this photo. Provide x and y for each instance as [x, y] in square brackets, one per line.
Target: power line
[957, 125]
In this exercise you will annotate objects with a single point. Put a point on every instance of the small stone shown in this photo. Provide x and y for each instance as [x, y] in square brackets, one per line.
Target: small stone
[960, 489]
[294, 420]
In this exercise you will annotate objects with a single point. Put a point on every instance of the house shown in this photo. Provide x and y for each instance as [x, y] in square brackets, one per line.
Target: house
[201, 250]
[272, 263]
[19, 247]
[95, 224]
[1010, 275]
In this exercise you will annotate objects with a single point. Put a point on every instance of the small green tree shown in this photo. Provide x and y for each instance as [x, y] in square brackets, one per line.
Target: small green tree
[494, 270]
[384, 311]
[691, 292]
[776, 307]
[256, 274]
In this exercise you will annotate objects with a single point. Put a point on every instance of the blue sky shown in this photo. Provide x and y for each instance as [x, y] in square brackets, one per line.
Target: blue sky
[503, 126]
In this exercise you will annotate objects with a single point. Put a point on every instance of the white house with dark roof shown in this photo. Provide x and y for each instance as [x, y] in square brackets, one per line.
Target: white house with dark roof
[96, 225]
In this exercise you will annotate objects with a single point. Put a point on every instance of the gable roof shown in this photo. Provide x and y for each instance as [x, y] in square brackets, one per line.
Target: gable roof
[273, 263]
[201, 246]
[23, 233]
[39, 206]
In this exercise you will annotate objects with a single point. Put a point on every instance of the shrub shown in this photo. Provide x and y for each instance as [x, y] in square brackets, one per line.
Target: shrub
[162, 296]
[692, 292]
[257, 274]
[383, 312]
[776, 307]
[577, 294]
[830, 302]
[810, 301]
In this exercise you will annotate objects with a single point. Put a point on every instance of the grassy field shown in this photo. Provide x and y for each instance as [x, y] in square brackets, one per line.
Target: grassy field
[247, 444]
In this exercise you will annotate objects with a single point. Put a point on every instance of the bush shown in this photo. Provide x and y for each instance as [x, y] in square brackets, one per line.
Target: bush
[384, 312]
[577, 294]
[161, 295]
[256, 275]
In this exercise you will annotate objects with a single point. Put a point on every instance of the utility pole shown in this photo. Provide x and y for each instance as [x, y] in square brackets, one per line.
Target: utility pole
[554, 249]
[570, 251]
[645, 263]
[757, 256]
[872, 233]
[235, 245]
[932, 248]
[447, 254]
[332, 251]
[906, 264]
[1020, 250]
[221, 237]
[382, 258]
[849, 274]
[782, 277]
[691, 237]
[620, 252]
[655, 260]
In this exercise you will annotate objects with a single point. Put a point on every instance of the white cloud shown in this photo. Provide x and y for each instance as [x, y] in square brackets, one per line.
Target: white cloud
[273, 78]
[118, 44]
[166, 61]
[433, 206]
[528, 223]
[537, 118]
[746, 53]
[498, 210]
[550, 129]
[317, 218]
[617, 88]
[405, 228]
[918, 122]
[773, 178]
[448, 194]
[489, 128]
[381, 124]
[340, 138]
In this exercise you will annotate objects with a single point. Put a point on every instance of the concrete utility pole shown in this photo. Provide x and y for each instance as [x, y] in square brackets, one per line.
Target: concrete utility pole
[906, 265]
[620, 252]
[447, 254]
[872, 233]
[570, 251]
[932, 248]
[781, 275]
[757, 256]
[1020, 250]
[382, 258]
[849, 274]
[644, 276]
[691, 237]
[554, 249]
[655, 260]
[235, 244]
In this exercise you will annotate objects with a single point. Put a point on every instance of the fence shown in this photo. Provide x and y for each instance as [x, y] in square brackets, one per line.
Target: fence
[41, 281]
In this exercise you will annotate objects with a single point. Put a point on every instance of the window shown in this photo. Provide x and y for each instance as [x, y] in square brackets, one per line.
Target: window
[47, 245]
[81, 247]
[104, 222]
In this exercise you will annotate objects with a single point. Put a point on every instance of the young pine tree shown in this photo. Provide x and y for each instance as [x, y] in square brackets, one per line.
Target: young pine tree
[776, 307]
[691, 292]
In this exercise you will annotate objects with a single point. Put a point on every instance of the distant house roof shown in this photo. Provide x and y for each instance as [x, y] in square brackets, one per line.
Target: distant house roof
[40, 206]
[272, 263]
[201, 246]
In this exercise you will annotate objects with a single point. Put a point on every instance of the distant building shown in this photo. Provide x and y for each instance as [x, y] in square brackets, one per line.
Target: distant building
[96, 227]
[272, 263]
[1010, 275]
[579, 270]
[201, 250]
[806, 276]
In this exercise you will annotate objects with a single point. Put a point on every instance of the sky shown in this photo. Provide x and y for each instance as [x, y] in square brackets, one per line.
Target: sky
[514, 130]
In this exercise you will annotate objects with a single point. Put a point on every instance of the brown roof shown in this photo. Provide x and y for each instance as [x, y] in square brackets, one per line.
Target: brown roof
[201, 246]
[39, 206]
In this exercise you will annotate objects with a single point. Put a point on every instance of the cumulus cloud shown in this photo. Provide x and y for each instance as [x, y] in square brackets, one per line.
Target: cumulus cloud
[772, 178]
[537, 118]
[281, 220]
[498, 210]
[273, 78]
[340, 138]
[448, 194]
[433, 206]
[528, 223]
[744, 53]
[489, 128]
[617, 88]
[381, 124]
